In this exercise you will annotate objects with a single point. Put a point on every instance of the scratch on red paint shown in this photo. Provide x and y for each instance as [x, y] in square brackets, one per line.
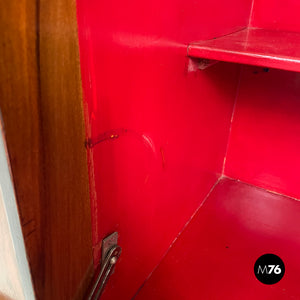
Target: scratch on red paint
[114, 134]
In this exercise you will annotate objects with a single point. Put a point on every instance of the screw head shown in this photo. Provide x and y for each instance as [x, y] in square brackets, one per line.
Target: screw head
[113, 260]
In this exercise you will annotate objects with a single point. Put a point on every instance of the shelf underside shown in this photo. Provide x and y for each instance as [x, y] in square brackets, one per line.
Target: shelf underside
[214, 256]
[252, 46]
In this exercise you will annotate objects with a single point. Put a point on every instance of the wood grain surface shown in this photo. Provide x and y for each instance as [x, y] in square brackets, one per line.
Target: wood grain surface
[41, 104]
[19, 103]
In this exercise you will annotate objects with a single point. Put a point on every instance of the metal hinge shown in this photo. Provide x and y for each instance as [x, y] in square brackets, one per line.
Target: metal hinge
[110, 254]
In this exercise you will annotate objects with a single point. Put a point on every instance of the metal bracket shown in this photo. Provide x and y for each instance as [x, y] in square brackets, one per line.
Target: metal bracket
[110, 252]
[195, 64]
[205, 63]
[107, 244]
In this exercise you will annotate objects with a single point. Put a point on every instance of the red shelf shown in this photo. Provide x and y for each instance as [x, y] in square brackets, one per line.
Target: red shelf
[214, 256]
[252, 46]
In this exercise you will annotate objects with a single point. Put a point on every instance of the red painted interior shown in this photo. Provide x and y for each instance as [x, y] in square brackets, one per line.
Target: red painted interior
[276, 14]
[159, 131]
[264, 143]
[253, 46]
[214, 257]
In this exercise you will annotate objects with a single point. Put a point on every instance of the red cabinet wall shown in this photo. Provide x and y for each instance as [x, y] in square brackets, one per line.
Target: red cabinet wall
[161, 132]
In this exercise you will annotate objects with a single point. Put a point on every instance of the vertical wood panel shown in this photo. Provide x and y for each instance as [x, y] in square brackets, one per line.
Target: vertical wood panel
[68, 209]
[19, 97]
[41, 103]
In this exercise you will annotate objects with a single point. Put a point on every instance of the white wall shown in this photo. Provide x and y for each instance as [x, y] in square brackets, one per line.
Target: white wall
[15, 279]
